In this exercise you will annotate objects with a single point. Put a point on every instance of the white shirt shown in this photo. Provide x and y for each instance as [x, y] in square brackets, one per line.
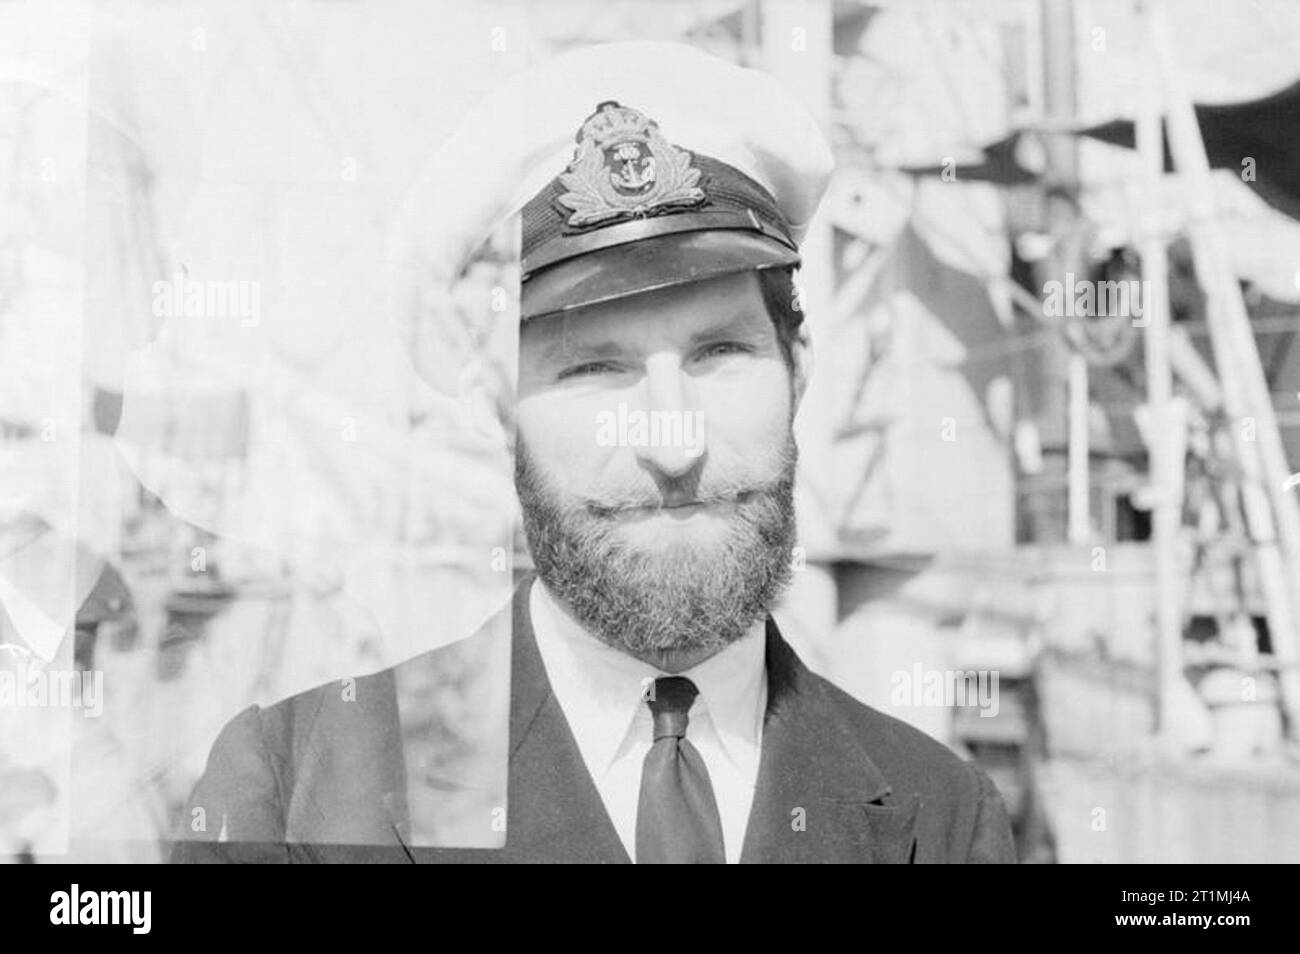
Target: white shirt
[601, 692]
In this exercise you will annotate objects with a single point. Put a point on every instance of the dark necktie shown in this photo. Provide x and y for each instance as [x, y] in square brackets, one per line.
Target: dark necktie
[677, 817]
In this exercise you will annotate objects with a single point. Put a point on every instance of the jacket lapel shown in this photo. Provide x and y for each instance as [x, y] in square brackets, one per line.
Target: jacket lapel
[819, 797]
[554, 812]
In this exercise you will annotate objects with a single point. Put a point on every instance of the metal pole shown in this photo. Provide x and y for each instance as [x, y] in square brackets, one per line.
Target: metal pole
[1271, 512]
[1160, 439]
[1054, 418]
[1080, 529]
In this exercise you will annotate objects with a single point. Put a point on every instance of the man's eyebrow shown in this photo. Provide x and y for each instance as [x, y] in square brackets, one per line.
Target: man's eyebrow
[567, 348]
[736, 325]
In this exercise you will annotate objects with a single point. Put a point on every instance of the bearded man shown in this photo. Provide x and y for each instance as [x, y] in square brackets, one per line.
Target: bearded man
[655, 712]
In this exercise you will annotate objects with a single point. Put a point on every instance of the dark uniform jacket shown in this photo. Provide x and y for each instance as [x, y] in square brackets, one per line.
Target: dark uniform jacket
[319, 778]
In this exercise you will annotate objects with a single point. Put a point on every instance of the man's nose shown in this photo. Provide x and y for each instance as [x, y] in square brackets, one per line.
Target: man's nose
[675, 434]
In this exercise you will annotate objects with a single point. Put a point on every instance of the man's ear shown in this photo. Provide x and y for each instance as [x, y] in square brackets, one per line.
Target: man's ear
[801, 358]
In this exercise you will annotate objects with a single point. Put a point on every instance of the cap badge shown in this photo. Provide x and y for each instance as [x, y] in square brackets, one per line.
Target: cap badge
[624, 168]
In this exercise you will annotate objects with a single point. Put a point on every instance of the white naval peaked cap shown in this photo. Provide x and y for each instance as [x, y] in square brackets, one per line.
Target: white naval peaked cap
[735, 124]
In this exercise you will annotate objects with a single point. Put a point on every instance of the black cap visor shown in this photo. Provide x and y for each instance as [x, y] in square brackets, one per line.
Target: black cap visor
[663, 261]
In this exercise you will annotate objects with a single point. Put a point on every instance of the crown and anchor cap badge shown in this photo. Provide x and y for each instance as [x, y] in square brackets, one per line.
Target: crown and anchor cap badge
[625, 168]
[634, 212]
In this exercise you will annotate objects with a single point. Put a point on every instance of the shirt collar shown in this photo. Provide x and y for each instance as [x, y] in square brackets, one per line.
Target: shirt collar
[600, 689]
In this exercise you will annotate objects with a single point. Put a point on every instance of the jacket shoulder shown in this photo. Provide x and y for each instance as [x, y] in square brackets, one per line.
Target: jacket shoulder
[331, 710]
[325, 764]
[891, 742]
[958, 800]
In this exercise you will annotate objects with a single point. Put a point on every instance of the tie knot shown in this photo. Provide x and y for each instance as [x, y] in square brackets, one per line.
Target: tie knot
[670, 699]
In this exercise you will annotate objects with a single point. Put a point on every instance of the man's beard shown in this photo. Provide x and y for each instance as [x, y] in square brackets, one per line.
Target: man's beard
[680, 597]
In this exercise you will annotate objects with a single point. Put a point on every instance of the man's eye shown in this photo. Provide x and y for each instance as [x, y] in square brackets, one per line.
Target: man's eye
[723, 348]
[587, 370]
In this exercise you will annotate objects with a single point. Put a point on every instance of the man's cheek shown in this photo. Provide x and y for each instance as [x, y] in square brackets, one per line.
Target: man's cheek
[754, 431]
[570, 463]
[758, 401]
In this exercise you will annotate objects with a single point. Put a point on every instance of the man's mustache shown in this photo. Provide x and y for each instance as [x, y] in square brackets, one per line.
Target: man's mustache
[608, 508]
[643, 493]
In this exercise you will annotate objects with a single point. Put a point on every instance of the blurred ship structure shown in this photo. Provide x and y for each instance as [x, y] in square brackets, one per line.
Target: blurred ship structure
[1069, 444]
